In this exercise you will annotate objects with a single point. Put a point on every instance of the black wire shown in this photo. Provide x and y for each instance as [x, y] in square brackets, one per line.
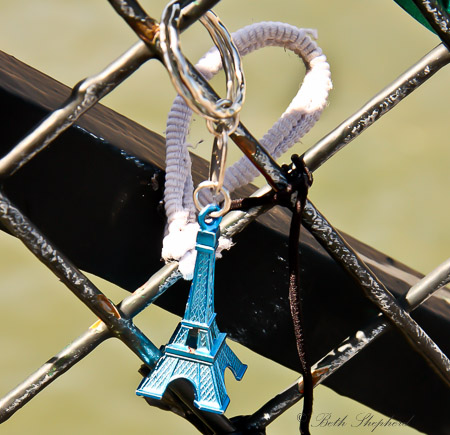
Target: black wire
[296, 305]
[294, 198]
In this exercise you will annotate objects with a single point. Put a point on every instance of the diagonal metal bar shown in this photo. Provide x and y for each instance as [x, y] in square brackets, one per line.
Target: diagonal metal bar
[421, 291]
[375, 291]
[437, 17]
[119, 325]
[86, 94]
[375, 108]
[51, 370]
[131, 306]
[336, 358]
[86, 343]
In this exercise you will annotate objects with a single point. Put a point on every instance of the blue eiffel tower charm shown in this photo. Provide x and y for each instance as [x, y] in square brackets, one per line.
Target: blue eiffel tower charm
[197, 350]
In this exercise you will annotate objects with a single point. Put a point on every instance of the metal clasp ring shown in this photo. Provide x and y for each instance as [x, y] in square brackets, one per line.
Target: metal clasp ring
[208, 184]
[180, 70]
[218, 160]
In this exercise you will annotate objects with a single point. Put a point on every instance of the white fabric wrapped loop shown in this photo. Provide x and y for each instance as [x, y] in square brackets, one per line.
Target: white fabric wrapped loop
[300, 116]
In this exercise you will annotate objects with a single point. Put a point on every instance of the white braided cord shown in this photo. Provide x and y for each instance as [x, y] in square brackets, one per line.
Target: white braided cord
[300, 116]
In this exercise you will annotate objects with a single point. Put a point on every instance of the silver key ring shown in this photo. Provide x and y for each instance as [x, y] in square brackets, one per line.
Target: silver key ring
[198, 98]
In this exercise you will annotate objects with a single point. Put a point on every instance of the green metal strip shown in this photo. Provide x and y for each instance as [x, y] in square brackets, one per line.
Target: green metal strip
[411, 8]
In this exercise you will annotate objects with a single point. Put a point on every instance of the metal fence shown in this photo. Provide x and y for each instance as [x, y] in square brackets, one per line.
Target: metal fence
[117, 320]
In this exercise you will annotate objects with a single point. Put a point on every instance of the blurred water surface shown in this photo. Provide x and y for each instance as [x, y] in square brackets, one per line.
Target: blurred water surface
[389, 189]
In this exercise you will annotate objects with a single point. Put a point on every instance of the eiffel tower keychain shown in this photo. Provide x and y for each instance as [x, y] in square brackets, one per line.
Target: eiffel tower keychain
[197, 350]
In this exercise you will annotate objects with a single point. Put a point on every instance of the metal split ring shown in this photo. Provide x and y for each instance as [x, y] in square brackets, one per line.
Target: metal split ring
[230, 125]
[213, 185]
[181, 72]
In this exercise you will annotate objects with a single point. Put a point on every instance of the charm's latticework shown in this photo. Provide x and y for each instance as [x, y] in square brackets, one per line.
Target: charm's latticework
[197, 350]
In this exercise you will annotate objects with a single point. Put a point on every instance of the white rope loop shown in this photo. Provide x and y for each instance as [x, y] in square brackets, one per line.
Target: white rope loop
[300, 116]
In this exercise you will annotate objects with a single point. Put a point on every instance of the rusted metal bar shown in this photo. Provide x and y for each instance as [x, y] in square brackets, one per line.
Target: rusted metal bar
[132, 12]
[350, 347]
[146, 27]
